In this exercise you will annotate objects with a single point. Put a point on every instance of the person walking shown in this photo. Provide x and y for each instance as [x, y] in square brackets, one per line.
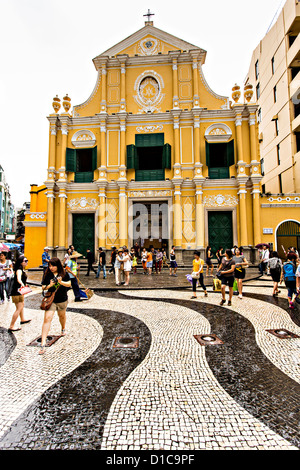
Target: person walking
[144, 260]
[173, 264]
[265, 255]
[275, 266]
[101, 264]
[113, 260]
[73, 269]
[219, 255]
[158, 262]
[240, 264]
[90, 259]
[127, 265]
[289, 276]
[133, 260]
[149, 262]
[226, 270]
[118, 266]
[45, 259]
[208, 260]
[6, 277]
[58, 280]
[67, 256]
[20, 279]
[164, 259]
[197, 274]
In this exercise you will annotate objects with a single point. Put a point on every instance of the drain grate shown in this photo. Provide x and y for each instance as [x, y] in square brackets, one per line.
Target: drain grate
[208, 340]
[282, 333]
[126, 342]
[49, 341]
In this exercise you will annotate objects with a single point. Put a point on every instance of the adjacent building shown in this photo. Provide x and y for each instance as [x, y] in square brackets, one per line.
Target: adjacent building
[7, 210]
[275, 73]
[154, 156]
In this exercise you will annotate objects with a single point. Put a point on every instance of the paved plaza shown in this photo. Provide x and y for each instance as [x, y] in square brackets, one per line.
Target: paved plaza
[165, 390]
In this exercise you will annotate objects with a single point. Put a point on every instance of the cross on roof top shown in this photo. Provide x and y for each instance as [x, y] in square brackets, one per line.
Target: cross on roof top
[149, 14]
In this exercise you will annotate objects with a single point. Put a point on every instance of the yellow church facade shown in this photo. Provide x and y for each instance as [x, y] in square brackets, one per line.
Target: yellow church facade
[153, 156]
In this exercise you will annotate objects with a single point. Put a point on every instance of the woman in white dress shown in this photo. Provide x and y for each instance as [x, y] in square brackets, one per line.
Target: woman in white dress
[127, 265]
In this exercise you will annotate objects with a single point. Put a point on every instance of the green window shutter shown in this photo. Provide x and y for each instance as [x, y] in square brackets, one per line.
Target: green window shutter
[207, 154]
[150, 140]
[71, 159]
[131, 157]
[94, 158]
[84, 176]
[230, 153]
[166, 158]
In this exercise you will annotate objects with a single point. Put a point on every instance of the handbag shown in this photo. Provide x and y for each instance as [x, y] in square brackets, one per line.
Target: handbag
[195, 275]
[217, 285]
[47, 300]
[24, 290]
[2, 278]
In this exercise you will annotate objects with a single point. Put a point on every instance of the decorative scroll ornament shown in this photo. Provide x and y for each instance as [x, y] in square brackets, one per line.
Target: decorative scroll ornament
[84, 138]
[83, 203]
[220, 200]
[148, 87]
[148, 129]
[150, 194]
[149, 46]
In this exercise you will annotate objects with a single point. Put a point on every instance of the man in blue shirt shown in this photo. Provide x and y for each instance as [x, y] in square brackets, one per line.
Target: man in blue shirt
[45, 258]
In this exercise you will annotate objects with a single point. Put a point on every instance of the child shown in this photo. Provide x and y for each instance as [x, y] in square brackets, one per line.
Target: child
[198, 264]
[133, 260]
[289, 276]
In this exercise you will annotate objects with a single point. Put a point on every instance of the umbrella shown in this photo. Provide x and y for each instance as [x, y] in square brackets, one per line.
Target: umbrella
[260, 245]
[3, 247]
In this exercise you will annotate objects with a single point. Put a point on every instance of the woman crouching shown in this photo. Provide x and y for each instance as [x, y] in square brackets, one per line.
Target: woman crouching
[55, 279]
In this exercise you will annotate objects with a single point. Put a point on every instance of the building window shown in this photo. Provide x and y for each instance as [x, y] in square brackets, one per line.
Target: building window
[291, 40]
[273, 65]
[294, 72]
[280, 183]
[278, 154]
[275, 93]
[219, 157]
[259, 115]
[276, 126]
[256, 70]
[298, 141]
[257, 91]
[262, 165]
[263, 188]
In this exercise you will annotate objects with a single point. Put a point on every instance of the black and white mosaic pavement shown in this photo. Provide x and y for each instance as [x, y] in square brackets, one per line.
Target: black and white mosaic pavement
[170, 393]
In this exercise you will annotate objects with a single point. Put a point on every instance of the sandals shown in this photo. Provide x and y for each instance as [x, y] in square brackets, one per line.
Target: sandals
[42, 349]
[63, 333]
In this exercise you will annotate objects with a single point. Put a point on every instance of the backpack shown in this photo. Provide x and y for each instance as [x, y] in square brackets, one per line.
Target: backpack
[289, 272]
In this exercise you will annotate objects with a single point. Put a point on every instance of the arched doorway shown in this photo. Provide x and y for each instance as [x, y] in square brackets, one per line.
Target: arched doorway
[287, 234]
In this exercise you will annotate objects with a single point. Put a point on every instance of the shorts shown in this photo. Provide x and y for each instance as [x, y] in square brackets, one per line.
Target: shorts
[17, 299]
[208, 261]
[239, 274]
[275, 274]
[227, 281]
[59, 306]
[173, 264]
[149, 264]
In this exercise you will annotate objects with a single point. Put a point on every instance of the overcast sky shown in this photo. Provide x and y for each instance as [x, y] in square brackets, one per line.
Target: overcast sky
[47, 47]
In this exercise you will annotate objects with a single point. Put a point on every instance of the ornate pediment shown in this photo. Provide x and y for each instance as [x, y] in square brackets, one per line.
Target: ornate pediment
[149, 41]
